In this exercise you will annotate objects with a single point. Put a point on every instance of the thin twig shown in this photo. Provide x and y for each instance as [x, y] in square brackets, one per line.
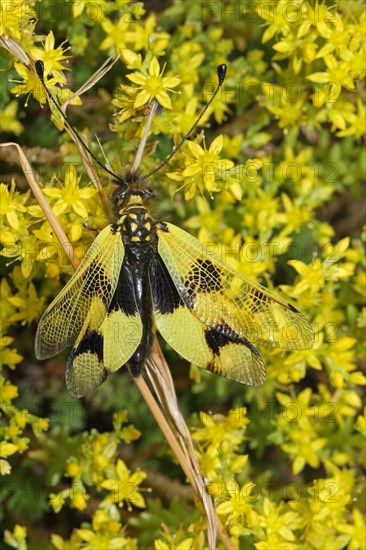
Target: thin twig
[174, 445]
[50, 216]
[95, 77]
[165, 428]
[142, 143]
[93, 175]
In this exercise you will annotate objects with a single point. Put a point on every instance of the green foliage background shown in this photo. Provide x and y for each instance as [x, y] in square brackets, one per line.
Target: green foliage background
[286, 137]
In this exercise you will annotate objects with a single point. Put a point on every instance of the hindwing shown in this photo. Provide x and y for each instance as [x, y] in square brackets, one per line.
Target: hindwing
[104, 349]
[218, 295]
[216, 347]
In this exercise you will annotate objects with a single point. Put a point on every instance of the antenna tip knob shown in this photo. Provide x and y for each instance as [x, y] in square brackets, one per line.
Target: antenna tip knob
[221, 73]
[39, 68]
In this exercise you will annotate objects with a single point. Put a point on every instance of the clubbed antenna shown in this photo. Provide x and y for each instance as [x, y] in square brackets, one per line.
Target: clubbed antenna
[40, 73]
[221, 73]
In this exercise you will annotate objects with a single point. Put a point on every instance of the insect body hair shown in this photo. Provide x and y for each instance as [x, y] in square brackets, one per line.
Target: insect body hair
[132, 183]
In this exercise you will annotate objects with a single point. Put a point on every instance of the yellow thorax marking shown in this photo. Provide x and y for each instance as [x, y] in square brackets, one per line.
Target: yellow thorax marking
[134, 199]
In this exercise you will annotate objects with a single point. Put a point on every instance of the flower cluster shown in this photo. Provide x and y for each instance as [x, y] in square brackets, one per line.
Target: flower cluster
[271, 189]
[316, 44]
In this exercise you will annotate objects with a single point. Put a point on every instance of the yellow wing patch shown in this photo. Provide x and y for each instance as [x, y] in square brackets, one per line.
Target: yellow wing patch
[122, 334]
[215, 293]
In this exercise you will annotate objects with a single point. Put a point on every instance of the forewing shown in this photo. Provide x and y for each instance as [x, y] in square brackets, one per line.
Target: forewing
[217, 347]
[217, 294]
[92, 286]
[104, 349]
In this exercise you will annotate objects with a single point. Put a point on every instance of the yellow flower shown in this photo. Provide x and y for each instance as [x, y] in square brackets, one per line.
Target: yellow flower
[8, 356]
[357, 122]
[70, 196]
[93, 10]
[11, 204]
[125, 486]
[210, 463]
[13, 16]
[277, 21]
[31, 84]
[355, 531]
[79, 498]
[278, 527]
[118, 34]
[5, 468]
[237, 502]
[153, 85]
[16, 539]
[145, 37]
[9, 392]
[30, 305]
[338, 73]
[8, 119]
[304, 448]
[52, 251]
[312, 276]
[7, 449]
[51, 57]
[203, 168]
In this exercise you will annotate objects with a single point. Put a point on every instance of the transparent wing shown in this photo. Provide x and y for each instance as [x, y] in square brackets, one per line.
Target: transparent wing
[94, 282]
[218, 295]
[216, 348]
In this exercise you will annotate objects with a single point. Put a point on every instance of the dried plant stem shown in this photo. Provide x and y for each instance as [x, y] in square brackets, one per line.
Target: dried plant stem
[42, 201]
[177, 450]
[92, 173]
[142, 143]
[164, 426]
[107, 65]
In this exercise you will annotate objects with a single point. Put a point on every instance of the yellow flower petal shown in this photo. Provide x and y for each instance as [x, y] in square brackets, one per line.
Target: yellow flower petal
[13, 219]
[192, 170]
[7, 449]
[80, 209]
[130, 58]
[171, 81]
[320, 78]
[5, 467]
[217, 145]
[141, 98]
[59, 208]
[195, 149]
[164, 100]
[137, 78]
[154, 67]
